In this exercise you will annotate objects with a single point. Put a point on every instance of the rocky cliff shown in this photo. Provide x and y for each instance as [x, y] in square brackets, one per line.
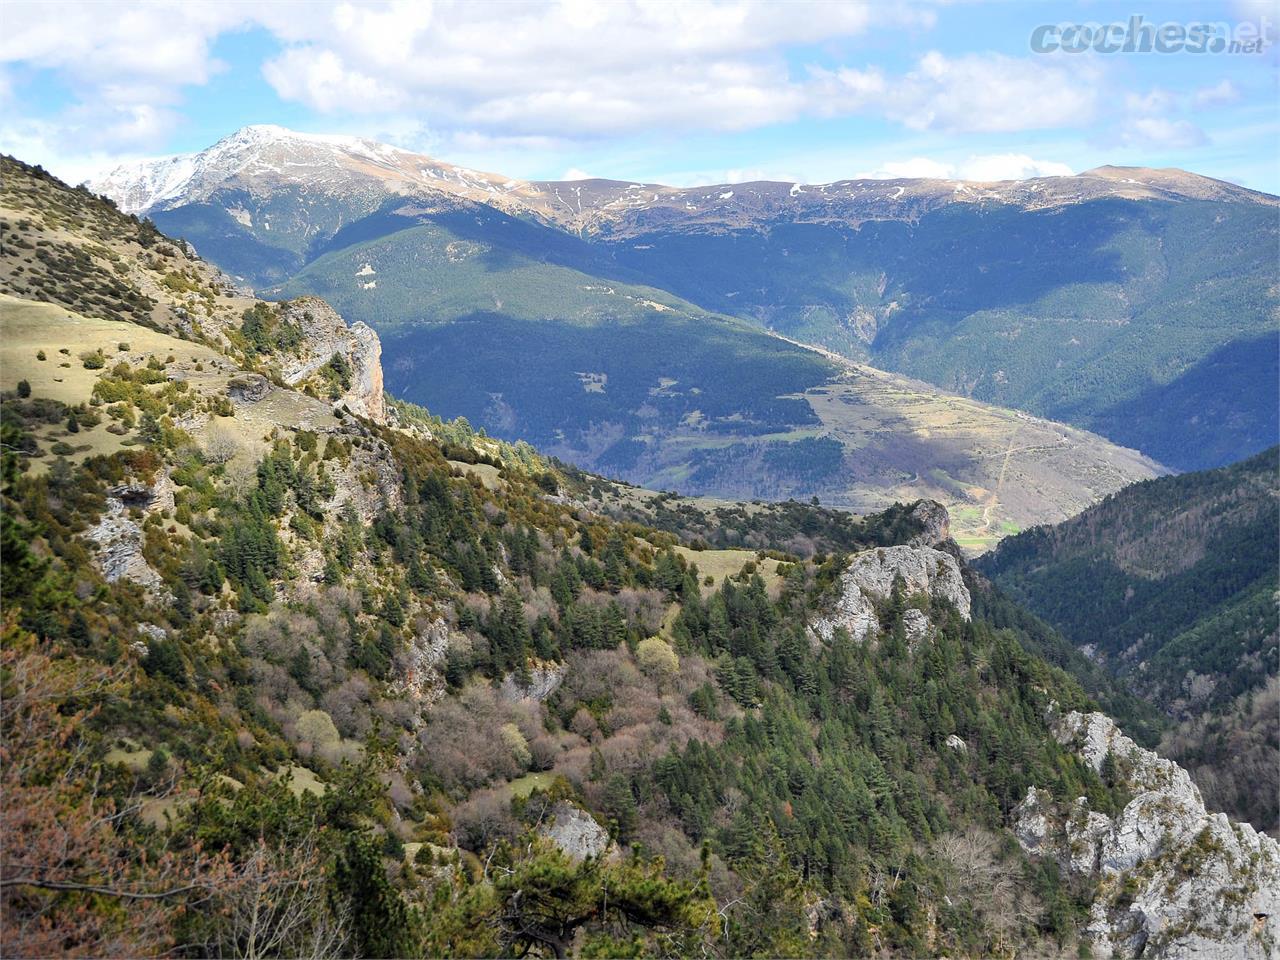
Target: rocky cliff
[326, 336]
[119, 538]
[935, 520]
[1172, 879]
[871, 576]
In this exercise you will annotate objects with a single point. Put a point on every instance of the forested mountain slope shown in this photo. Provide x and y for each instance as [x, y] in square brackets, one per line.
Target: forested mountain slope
[1171, 585]
[490, 317]
[1152, 321]
[1140, 304]
[281, 677]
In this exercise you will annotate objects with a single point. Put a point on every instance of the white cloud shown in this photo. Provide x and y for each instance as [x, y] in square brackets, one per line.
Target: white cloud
[994, 93]
[325, 82]
[121, 51]
[39, 142]
[1161, 132]
[1154, 101]
[755, 175]
[569, 69]
[975, 93]
[1149, 120]
[537, 76]
[913, 169]
[1011, 166]
[542, 68]
[573, 173]
[125, 63]
[1216, 95]
[983, 167]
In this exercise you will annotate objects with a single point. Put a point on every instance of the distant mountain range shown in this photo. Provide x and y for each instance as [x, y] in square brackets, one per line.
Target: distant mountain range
[1138, 304]
[266, 156]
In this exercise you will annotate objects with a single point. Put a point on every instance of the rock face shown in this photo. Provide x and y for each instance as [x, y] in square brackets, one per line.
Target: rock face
[119, 538]
[326, 334]
[1173, 880]
[544, 680]
[248, 387]
[917, 626]
[871, 576]
[420, 666]
[936, 522]
[576, 832]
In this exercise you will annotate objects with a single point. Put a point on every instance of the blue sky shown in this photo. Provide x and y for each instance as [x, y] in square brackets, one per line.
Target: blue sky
[644, 90]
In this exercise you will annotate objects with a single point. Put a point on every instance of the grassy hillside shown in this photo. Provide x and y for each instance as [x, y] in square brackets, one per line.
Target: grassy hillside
[1171, 585]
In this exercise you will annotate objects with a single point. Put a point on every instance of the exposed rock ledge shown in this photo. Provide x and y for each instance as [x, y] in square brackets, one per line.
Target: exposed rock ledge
[576, 832]
[871, 576]
[543, 680]
[325, 333]
[420, 666]
[119, 537]
[935, 520]
[1173, 879]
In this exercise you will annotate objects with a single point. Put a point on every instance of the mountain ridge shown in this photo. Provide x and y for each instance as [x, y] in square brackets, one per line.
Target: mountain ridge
[147, 185]
[1123, 301]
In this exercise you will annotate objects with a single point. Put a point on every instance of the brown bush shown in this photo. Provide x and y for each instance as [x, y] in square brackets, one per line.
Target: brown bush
[483, 819]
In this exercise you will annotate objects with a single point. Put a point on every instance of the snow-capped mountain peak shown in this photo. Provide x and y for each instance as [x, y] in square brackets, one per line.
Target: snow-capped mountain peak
[265, 155]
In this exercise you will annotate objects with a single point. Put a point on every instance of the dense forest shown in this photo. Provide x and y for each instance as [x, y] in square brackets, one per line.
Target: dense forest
[695, 747]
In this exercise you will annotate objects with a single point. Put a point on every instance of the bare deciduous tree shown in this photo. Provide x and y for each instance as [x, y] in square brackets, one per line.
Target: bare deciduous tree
[275, 905]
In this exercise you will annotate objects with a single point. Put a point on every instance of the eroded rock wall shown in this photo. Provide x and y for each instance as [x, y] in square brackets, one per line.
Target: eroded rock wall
[1173, 880]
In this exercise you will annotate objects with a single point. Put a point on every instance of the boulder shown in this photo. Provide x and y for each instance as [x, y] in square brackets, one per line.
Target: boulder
[576, 832]
[248, 387]
[936, 521]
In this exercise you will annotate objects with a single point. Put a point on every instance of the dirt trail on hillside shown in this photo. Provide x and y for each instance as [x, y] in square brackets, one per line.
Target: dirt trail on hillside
[994, 499]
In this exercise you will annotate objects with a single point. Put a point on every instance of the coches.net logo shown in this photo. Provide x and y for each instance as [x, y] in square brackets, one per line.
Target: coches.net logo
[1137, 35]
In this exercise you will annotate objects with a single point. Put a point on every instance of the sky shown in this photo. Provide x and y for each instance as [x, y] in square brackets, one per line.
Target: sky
[668, 92]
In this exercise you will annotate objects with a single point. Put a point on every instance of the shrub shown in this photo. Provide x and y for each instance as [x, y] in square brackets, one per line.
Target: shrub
[317, 728]
[517, 743]
[94, 360]
[657, 659]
